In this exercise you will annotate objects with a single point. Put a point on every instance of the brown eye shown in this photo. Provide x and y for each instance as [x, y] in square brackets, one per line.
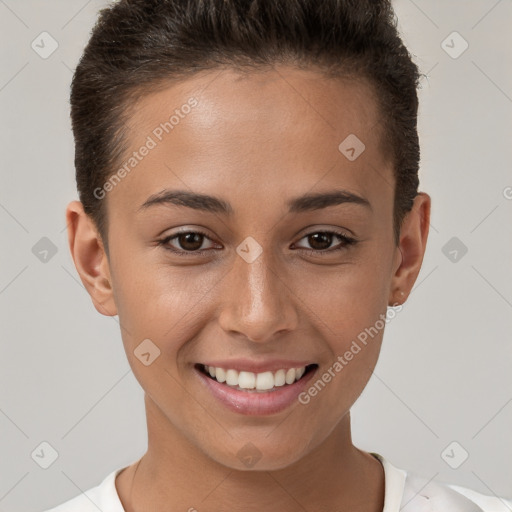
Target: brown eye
[320, 241]
[190, 241]
[185, 243]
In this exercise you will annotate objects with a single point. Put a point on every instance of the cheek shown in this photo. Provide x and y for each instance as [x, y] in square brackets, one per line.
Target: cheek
[348, 308]
[345, 299]
[159, 302]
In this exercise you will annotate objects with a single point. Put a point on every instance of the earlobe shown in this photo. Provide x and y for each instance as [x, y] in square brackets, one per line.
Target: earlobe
[412, 246]
[90, 258]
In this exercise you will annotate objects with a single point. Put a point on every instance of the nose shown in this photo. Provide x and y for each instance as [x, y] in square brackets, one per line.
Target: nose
[257, 301]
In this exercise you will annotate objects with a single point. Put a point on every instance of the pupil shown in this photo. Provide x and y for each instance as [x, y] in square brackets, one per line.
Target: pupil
[192, 243]
[313, 240]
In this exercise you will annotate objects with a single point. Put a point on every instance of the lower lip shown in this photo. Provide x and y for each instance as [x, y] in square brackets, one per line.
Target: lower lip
[256, 403]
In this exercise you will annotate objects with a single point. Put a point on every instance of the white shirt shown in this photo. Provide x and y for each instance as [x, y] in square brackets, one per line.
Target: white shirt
[404, 492]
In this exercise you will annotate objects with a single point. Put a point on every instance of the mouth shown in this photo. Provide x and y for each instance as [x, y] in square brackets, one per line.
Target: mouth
[253, 382]
[259, 393]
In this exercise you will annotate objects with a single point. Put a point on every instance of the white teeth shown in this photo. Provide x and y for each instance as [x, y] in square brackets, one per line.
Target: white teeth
[290, 376]
[247, 380]
[232, 377]
[279, 378]
[265, 380]
[220, 374]
[258, 381]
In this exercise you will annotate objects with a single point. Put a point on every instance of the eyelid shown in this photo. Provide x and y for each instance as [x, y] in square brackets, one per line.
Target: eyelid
[346, 241]
[167, 239]
[315, 228]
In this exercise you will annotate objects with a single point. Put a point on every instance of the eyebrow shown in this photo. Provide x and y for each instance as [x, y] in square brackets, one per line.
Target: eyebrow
[212, 204]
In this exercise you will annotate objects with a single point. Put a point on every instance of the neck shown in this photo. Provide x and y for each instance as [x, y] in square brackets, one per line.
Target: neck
[175, 475]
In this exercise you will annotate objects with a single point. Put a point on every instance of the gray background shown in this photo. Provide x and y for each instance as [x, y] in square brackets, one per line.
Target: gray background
[444, 372]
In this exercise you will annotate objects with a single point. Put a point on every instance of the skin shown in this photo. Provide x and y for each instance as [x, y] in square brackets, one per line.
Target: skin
[256, 140]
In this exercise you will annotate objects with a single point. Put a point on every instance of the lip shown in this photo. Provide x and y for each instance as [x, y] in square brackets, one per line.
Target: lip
[256, 403]
[247, 365]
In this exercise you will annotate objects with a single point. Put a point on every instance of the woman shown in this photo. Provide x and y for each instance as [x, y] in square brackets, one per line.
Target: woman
[249, 208]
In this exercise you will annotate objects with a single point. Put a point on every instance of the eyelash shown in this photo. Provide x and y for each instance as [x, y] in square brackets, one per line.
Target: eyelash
[346, 242]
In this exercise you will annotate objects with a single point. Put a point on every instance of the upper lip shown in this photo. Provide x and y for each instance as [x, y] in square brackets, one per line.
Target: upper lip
[248, 365]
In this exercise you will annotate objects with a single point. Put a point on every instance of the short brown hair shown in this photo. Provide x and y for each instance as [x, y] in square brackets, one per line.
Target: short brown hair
[138, 44]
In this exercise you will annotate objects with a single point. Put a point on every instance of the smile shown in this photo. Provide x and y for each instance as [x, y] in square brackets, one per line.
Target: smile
[256, 382]
[255, 393]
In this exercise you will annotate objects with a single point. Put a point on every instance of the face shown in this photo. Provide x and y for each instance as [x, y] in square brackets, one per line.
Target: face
[284, 265]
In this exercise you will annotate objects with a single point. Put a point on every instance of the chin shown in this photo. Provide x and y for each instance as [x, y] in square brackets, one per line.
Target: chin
[258, 455]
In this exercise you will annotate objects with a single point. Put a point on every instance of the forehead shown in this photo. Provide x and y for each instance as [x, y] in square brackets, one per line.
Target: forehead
[272, 133]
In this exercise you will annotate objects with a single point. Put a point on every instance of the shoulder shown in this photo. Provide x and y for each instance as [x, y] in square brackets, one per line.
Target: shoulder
[79, 503]
[487, 503]
[101, 497]
[422, 495]
[406, 491]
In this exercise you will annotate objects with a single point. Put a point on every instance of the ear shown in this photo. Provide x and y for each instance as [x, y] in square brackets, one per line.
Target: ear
[90, 258]
[412, 245]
